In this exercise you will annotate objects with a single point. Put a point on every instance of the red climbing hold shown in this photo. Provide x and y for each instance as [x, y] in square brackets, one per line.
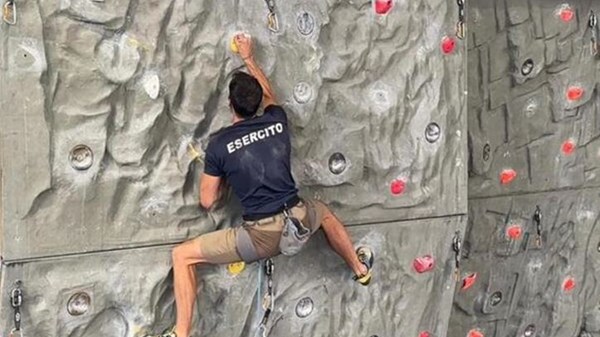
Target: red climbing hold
[574, 93]
[514, 231]
[425, 334]
[568, 147]
[507, 176]
[397, 186]
[569, 284]
[383, 6]
[468, 281]
[448, 45]
[424, 263]
[475, 333]
[566, 14]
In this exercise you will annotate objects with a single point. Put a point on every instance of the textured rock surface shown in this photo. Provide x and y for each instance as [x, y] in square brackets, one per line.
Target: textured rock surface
[533, 141]
[531, 277]
[137, 81]
[126, 303]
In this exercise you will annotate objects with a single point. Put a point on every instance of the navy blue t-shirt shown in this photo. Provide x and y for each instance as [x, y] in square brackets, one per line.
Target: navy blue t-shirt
[254, 156]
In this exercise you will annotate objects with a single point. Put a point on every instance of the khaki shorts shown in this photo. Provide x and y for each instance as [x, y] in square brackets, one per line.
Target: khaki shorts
[219, 247]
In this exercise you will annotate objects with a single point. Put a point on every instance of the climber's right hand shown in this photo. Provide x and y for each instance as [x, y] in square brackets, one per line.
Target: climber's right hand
[244, 45]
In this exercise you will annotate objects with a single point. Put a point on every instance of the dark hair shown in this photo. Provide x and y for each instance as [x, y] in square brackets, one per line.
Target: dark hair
[245, 94]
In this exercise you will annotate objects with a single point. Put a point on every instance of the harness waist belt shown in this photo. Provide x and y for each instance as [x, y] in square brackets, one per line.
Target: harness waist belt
[290, 203]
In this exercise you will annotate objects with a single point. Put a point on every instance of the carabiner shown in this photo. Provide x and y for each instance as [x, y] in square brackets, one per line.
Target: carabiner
[460, 24]
[272, 22]
[9, 13]
[14, 331]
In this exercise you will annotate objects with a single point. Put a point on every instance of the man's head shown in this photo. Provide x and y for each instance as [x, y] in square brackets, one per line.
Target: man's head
[245, 95]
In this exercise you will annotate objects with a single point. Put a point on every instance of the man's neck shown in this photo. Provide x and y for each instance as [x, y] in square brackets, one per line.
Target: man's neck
[236, 119]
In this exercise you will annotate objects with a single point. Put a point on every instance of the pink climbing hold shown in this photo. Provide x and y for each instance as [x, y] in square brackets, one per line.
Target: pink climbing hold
[397, 187]
[507, 176]
[475, 333]
[566, 13]
[469, 281]
[424, 263]
[569, 284]
[425, 334]
[568, 147]
[448, 45]
[574, 93]
[514, 231]
[383, 6]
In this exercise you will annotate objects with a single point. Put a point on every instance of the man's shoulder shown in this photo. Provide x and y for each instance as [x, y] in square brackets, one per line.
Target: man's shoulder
[274, 109]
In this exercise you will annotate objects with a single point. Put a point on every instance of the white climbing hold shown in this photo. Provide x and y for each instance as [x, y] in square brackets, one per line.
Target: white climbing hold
[151, 84]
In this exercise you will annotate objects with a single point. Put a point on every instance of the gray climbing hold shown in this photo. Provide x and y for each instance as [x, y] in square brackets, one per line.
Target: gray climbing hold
[302, 92]
[529, 331]
[305, 23]
[486, 151]
[118, 58]
[432, 132]
[151, 84]
[78, 304]
[81, 157]
[304, 307]
[527, 67]
[495, 299]
[337, 163]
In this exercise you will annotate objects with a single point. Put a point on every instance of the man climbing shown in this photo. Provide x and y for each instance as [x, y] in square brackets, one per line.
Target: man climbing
[253, 155]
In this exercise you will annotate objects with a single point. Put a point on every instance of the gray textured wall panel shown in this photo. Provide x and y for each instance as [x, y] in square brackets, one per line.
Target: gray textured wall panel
[534, 281]
[533, 130]
[521, 117]
[137, 81]
[131, 290]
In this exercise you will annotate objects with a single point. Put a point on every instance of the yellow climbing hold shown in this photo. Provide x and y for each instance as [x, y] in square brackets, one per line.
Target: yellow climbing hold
[194, 153]
[233, 46]
[236, 268]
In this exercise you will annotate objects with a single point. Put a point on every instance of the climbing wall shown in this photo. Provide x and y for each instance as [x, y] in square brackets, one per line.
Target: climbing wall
[102, 100]
[530, 257]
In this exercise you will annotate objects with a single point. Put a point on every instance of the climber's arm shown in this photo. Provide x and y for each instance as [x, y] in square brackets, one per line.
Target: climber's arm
[244, 44]
[209, 190]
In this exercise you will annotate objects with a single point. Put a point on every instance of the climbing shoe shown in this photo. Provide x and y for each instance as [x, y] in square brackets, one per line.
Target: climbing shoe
[365, 256]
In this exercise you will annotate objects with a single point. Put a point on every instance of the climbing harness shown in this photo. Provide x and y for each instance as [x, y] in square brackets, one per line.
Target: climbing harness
[9, 13]
[268, 301]
[460, 25]
[272, 21]
[537, 219]
[16, 300]
[593, 26]
[456, 247]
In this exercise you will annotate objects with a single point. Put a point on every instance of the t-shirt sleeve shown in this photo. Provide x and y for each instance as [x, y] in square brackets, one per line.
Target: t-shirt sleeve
[276, 112]
[212, 164]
